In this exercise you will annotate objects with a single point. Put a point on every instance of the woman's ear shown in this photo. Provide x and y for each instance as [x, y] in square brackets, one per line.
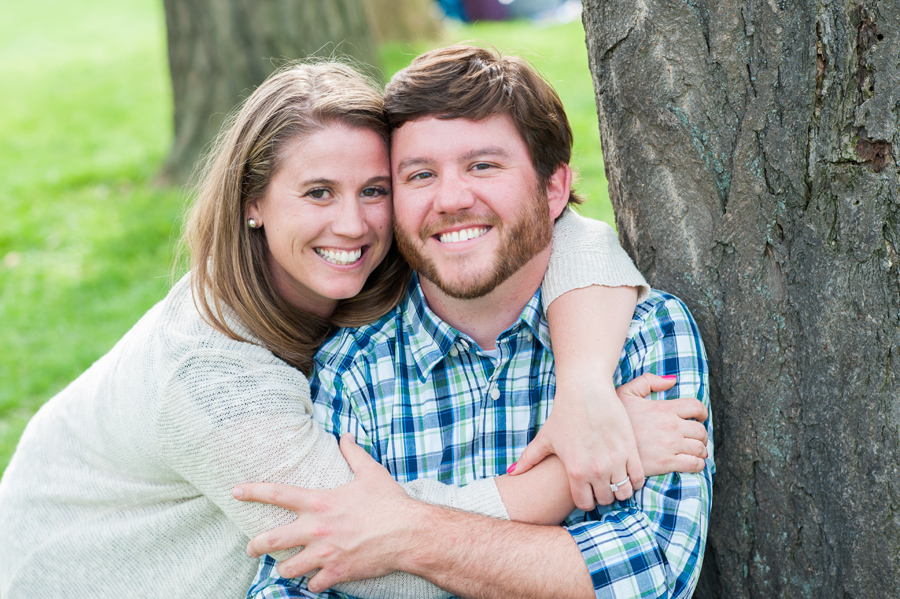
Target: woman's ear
[253, 212]
[558, 189]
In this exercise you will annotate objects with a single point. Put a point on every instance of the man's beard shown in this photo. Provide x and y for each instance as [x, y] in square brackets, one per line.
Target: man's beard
[520, 241]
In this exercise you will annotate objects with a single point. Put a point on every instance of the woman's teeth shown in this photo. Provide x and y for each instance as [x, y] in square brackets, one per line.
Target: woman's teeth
[464, 235]
[340, 257]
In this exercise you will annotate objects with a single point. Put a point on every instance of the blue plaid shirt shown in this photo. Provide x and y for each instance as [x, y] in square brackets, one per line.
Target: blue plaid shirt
[426, 401]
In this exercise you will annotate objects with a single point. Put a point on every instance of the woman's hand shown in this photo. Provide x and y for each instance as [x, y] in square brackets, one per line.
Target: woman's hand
[590, 431]
[588, 428]
[352, 532]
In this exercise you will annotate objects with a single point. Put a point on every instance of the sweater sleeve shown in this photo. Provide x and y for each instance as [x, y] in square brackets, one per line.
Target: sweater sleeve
[587, 252]
[233, 417]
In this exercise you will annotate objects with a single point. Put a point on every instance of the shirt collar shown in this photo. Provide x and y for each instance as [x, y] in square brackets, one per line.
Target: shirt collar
[430, 339]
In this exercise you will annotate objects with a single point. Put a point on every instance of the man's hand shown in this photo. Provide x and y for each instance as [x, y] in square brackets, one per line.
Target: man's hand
[590, 431]
[352, 532]
[670, 434]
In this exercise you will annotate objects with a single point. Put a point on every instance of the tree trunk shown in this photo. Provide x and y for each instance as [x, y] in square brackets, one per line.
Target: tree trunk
[403, 20]
[220, 50]
[750, 151]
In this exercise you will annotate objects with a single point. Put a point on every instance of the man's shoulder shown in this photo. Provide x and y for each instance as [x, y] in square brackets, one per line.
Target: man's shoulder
[663, 321]
[349, 346]
[660, 305]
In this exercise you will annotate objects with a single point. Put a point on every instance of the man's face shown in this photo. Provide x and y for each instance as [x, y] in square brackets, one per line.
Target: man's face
[468, 209]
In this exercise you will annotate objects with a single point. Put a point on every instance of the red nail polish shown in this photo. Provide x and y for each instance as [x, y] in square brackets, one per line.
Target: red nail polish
[669, 377]
[511, 468]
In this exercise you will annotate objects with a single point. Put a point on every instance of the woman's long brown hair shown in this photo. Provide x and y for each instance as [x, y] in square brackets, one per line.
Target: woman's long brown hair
[228, 259]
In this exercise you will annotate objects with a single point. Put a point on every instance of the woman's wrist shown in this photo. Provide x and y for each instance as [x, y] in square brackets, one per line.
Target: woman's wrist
[580, 387]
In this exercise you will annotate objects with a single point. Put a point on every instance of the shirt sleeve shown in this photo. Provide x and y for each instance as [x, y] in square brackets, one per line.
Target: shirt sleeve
[398, 585]
[652, 545]
[587, 252]
[236, 415]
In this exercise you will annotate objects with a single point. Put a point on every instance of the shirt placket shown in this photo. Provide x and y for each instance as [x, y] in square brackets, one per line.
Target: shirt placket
[497, 413]
[484, 371]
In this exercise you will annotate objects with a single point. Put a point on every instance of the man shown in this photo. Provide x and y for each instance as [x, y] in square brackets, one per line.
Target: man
[456, 381]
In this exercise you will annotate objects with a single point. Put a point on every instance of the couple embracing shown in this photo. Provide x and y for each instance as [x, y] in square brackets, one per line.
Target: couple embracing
[499, 319]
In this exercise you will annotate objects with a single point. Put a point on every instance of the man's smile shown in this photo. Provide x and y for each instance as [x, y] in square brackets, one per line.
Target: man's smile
[462, 234]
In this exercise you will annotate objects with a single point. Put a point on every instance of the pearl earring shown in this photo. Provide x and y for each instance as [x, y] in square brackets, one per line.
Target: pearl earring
[251, 222]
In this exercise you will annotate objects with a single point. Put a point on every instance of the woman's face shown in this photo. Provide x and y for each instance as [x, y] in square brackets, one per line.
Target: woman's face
[327, 216]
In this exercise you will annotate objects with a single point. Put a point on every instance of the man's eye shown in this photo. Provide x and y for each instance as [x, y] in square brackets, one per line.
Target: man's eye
[421, 176]
[482, 166]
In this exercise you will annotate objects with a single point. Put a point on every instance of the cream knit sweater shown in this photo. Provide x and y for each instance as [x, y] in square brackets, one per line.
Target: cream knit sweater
[121, 484]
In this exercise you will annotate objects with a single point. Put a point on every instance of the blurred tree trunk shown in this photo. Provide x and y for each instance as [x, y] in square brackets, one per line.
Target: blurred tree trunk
[220, 50]
[751, 153]
[403, 20]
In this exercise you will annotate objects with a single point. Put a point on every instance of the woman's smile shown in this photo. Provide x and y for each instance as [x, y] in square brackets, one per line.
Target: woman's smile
[340, 257]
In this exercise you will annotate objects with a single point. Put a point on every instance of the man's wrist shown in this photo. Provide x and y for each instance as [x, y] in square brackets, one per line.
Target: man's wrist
[417, 552]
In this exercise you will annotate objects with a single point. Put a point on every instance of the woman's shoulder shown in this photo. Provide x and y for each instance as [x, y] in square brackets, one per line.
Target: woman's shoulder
[211, 372]
[173, 342]
[183, 326]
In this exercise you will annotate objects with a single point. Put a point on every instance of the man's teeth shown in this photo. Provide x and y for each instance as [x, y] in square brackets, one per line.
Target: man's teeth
[340, 257]
[464, 235]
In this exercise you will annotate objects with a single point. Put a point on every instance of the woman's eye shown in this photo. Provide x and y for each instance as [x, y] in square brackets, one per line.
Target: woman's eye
[317, 194]
[374, 192]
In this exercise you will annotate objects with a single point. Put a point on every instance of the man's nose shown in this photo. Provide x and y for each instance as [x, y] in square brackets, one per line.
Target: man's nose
[453, 195]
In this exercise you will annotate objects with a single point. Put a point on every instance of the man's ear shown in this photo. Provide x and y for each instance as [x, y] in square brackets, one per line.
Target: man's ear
[558, 189]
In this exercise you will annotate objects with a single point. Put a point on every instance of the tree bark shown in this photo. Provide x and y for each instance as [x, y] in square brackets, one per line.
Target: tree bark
[220, 50]
[751, 148]
[403, 20]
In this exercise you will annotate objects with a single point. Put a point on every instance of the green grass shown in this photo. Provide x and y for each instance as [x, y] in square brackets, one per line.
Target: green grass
[86, 243]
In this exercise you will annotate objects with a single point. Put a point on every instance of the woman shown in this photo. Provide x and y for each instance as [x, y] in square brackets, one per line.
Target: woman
[121, 484]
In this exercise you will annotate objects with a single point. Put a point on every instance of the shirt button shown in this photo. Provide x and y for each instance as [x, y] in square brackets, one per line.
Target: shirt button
[454, 352]
[464, 344]
[528, 335]
[495, 393]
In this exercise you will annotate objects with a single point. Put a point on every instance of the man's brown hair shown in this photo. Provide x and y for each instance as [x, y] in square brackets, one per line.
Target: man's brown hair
[474, 83]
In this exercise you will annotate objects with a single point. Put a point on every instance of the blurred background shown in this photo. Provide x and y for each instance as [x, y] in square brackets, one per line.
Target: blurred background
[105, 110]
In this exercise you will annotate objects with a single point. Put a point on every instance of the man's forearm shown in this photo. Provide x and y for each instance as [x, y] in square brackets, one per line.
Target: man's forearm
[478, 557]
[654, 548]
